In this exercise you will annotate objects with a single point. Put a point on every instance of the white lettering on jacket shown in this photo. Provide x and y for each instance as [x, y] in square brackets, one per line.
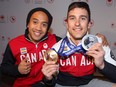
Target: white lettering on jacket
[72, 61]
[68, 61]
[33, 57]
[85, 62]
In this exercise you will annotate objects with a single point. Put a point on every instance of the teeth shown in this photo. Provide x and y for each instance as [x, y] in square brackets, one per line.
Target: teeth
[37, 33]
[78, 29]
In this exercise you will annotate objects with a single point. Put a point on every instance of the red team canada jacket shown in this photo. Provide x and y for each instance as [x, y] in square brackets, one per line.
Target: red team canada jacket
[20, 47]
[78, 69]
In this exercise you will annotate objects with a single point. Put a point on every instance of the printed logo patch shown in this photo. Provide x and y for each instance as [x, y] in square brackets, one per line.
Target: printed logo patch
[65, 48]
[23, 50]
[45, 45]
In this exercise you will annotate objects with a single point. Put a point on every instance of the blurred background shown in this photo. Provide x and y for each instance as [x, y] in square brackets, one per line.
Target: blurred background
[13, 15]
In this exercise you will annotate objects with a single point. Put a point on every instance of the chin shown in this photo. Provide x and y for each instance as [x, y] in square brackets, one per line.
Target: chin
[79, 38]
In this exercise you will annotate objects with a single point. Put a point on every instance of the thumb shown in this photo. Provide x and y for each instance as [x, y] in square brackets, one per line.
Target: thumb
[25, 59]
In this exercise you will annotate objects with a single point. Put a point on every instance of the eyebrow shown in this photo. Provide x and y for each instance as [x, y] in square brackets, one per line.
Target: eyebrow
[71, 16]
[80, 16]
[34, 19]
[83, 16]
[38, 20]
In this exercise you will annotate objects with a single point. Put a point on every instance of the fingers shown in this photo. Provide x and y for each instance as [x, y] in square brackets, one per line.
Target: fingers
[104, 40]
[26, 71]
[96, 46]
[49, 69]
[24, 66]
[26, 62]
[96, 50]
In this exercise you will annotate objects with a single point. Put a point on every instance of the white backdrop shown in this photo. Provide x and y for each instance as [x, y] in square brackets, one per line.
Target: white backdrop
[13, 15]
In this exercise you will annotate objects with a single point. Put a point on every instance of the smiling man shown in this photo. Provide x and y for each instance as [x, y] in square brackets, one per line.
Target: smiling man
[78, 65]
[24, 55]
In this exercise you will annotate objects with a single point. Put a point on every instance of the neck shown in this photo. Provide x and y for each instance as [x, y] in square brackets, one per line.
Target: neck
[75, 41]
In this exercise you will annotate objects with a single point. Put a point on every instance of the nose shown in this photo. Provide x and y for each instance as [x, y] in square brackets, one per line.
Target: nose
[38, 26]
[77, 22]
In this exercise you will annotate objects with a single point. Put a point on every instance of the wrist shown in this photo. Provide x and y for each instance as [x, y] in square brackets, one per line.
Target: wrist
[49, 78]
[101, 66]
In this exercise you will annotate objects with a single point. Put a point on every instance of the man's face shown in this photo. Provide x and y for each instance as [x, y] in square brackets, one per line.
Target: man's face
[37, 26]
[77, 23]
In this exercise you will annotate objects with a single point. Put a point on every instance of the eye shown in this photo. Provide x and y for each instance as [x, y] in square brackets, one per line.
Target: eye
[83, 18]
[71, 18]
[45, 25]
[35, 22]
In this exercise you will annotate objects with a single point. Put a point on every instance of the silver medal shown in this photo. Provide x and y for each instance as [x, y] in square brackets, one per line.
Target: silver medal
[88, 41]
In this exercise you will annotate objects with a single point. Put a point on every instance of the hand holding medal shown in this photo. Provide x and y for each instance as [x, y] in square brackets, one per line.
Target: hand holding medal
[51, 55]
[88, 41]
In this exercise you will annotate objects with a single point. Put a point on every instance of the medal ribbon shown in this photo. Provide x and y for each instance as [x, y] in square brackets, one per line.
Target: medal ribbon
[73, 48]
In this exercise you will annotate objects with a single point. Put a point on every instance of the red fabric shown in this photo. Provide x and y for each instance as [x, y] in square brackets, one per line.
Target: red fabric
[21, 48]
[77, 65]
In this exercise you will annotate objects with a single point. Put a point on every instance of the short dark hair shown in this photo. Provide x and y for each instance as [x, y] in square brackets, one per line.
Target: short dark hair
[80, 5]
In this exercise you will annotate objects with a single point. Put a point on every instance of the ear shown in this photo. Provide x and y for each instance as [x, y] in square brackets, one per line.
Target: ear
[66, 24]
[28, 26]
[89, 26]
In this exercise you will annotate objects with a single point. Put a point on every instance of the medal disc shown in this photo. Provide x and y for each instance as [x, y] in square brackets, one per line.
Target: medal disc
[50, 55]
[88, 41]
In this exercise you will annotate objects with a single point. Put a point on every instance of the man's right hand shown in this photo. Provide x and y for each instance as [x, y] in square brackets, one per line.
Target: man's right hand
[49, 69]
[25, 66]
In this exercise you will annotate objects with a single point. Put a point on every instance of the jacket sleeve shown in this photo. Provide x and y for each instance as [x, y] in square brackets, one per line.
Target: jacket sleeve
[110, 64]
[49, 83]
[8, 66]
[109, 56]
[109, 71]
[45, 83]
